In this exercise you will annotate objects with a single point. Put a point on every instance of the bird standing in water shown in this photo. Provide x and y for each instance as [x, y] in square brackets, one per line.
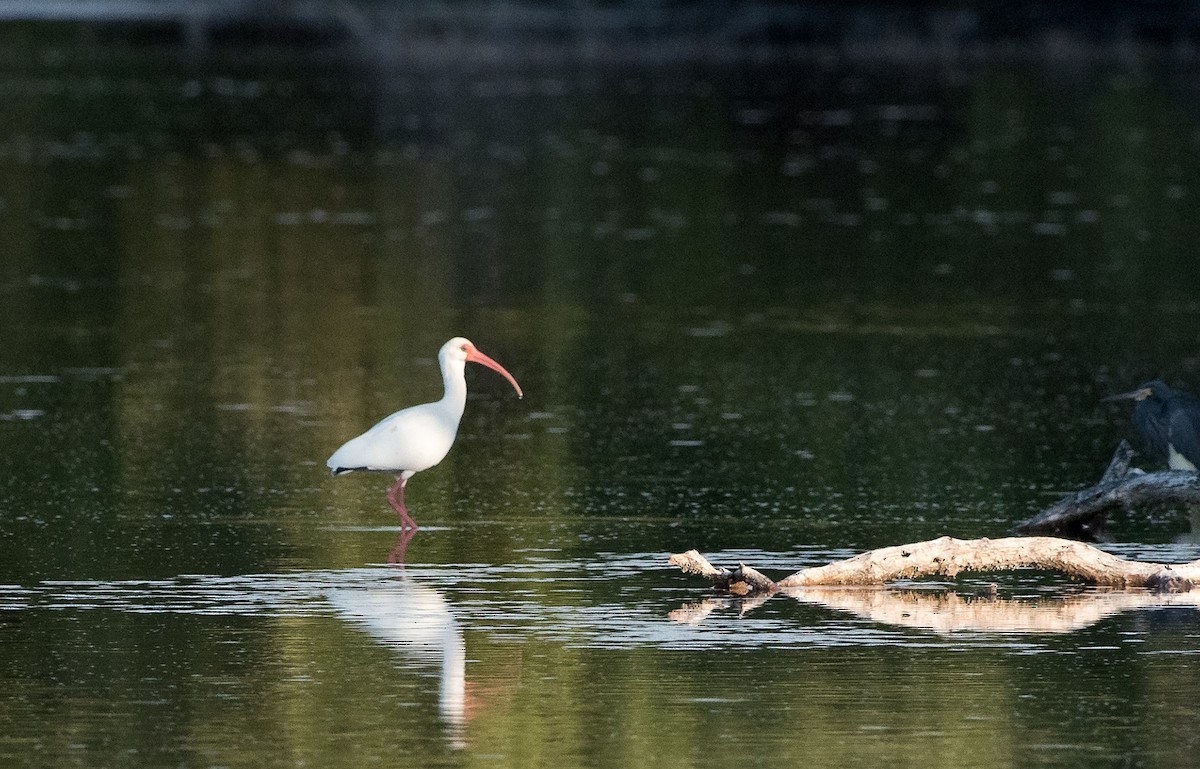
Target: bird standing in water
[419, 437]
[1169, 422]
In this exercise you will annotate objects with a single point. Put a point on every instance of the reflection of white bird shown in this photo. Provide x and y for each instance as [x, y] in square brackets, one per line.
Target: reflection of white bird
[419, 437]
[415, 621]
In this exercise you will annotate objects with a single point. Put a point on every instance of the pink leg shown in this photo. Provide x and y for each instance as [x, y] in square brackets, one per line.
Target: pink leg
[396, 499]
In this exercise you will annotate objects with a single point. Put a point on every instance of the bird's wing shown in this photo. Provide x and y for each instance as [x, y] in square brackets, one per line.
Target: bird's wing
[1151, 419]
[1183, 427]
[414, 439]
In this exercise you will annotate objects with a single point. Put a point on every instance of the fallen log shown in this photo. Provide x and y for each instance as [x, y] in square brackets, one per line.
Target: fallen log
[1081, 515]
[949, 557]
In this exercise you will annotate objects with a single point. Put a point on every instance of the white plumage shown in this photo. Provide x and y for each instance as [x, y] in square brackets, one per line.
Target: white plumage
[408, 441]
[416, 438]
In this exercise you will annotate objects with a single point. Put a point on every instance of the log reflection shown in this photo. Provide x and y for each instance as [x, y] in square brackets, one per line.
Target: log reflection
[946, 612]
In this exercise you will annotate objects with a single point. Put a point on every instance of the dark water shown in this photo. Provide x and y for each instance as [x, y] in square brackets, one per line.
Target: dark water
[779, 311]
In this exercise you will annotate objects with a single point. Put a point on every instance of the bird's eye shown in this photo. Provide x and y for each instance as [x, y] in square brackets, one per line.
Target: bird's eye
[465, 348]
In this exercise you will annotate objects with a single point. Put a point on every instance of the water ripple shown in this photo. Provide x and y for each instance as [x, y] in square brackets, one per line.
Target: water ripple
[618, 600]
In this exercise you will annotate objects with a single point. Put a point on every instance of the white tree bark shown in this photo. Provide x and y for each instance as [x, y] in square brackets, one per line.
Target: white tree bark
[949, 557]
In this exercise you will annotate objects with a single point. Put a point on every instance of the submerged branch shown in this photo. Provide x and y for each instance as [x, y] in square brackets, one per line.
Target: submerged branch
[949, 557]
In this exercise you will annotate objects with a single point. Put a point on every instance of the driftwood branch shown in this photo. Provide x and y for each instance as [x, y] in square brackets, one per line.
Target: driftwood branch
[1081, 515]
[741, 581]
[949, 557]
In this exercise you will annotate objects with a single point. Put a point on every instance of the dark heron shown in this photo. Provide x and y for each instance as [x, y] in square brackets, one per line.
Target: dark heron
[1169, 421]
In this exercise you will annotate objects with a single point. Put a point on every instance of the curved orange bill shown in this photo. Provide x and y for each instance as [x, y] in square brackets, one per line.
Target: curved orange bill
[476, 356]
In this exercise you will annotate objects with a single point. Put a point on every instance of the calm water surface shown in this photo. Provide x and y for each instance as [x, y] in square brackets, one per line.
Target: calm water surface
[779, 312]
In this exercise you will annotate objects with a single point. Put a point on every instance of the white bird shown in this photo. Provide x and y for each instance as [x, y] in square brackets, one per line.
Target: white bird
[416, 438]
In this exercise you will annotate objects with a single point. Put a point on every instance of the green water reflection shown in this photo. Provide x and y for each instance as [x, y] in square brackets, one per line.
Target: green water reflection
[773, 306]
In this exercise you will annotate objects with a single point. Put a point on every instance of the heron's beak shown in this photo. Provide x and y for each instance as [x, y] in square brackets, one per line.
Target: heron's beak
[476, 356]
[1137, 395]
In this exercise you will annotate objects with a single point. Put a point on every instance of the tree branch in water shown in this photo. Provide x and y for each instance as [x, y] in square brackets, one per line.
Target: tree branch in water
[1081, 515]
[949, 557]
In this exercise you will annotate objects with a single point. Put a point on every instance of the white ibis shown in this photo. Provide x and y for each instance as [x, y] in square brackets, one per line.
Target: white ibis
[416, 438]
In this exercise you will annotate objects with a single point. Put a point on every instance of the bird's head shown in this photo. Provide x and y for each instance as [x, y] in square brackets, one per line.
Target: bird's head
[1155, 390]
[460, 351]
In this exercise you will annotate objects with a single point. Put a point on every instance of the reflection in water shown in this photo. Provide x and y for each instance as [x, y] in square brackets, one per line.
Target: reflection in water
[270, 655]
[415, 620]
[952, 612]
[592, 639]
[695, 612]
[1192, 535]
[396, 554]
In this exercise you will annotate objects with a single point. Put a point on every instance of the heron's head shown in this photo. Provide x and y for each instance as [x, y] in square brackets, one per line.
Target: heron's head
[1155, 390]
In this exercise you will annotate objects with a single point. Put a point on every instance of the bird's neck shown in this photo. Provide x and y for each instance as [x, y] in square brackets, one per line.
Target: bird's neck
[455, 396]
